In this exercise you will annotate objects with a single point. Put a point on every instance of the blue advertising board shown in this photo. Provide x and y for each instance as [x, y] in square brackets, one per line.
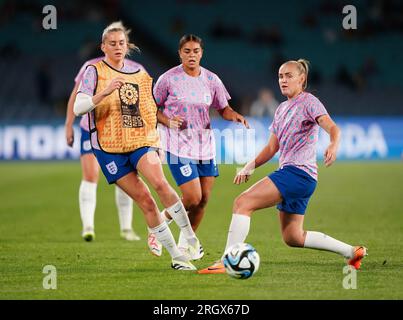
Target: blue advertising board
[363, 138]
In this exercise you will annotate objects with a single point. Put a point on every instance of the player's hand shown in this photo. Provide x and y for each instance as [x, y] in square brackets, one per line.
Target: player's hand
[241, 119]
[330, 155]
[175, 122]
[115, 83]
[243, 176]
[69, 136]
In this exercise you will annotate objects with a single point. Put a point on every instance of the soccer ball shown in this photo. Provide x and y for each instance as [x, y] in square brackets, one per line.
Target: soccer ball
[241, 261]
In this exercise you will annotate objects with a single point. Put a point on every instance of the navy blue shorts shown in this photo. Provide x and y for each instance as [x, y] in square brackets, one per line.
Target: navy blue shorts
[184, 169]
[116, 165]
[85, 143]
[296, 187]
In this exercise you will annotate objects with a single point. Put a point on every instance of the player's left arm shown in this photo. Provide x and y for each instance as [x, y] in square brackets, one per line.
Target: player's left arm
[326, 122]
[230, 114]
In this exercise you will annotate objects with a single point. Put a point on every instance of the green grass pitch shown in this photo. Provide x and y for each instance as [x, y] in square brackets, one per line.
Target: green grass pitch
[359, 203]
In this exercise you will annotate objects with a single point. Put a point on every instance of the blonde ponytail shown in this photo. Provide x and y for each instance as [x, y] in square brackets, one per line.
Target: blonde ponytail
[304, 68]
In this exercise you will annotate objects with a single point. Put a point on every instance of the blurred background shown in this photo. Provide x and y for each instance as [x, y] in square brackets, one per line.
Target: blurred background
[355, 73]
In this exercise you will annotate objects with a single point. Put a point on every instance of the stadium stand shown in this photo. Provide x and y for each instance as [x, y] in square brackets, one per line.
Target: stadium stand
[353, 72]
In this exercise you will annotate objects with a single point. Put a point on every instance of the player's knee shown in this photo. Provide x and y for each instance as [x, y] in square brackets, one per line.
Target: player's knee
[293, 239]
[146, 202]
[91, 177]
[240, 204]
[192, 200]
[161, 186]
[90, 173]
[203, 202]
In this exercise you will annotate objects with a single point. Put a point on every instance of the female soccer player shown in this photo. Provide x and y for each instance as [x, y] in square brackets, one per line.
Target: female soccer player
[294, 132]
[124, 138]
[90, 169]
[185, 94]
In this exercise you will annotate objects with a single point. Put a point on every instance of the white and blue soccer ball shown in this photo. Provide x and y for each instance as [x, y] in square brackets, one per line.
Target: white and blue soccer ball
[241, 261]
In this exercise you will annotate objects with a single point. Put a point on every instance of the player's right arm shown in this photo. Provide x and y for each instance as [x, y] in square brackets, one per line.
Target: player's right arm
[84, 103]
[70, 117]
[161, 92]
[265, 155]
[175, 122]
